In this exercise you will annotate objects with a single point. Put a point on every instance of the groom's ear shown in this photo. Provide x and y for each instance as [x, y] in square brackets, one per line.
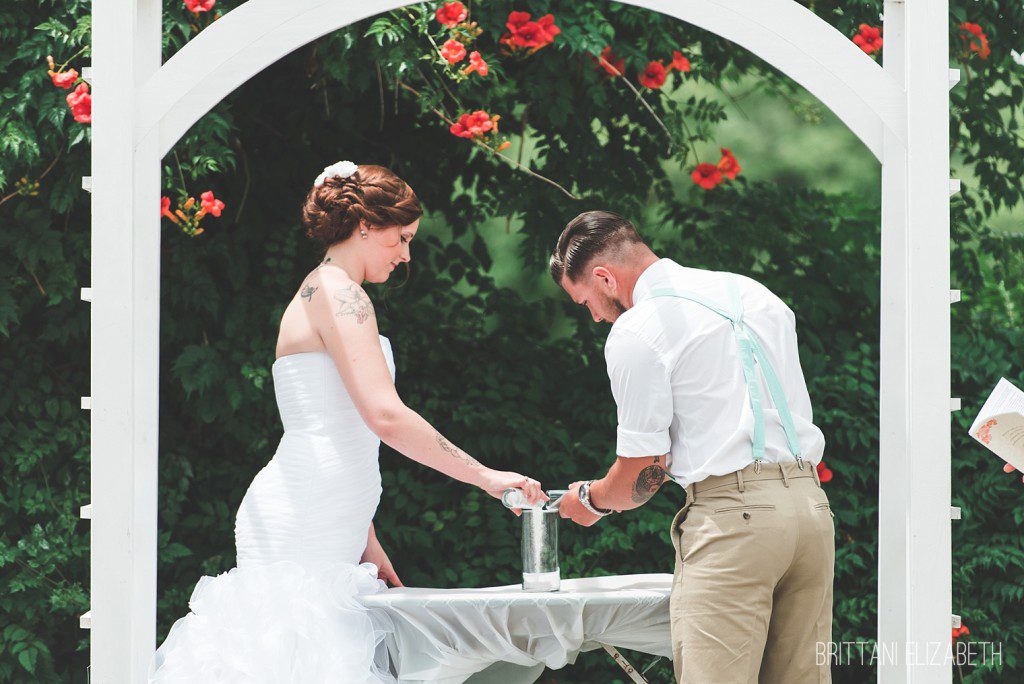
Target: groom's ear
[605, 278]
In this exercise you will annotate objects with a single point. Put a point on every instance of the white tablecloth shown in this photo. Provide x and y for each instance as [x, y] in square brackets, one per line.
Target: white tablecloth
[508, 635]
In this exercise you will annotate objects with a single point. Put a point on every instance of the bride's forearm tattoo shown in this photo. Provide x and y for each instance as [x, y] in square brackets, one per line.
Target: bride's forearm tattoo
[455, 451]
[352, 301]
[648, 482]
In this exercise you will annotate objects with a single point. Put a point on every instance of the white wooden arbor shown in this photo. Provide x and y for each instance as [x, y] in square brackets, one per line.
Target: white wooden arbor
[899, 111]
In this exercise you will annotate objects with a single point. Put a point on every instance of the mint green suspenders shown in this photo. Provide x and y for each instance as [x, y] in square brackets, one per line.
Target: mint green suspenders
[750, 349]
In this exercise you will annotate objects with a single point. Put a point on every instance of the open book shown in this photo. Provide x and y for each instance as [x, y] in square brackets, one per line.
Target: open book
[1000, 424]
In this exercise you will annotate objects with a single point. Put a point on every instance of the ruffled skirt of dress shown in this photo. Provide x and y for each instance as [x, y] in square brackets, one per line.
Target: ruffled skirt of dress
[280, 622]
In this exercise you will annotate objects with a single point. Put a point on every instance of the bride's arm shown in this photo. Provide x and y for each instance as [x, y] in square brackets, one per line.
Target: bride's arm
[344, 317]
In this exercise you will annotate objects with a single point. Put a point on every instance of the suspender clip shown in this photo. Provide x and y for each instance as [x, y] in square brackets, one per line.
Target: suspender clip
[799, 462]
[757, 466]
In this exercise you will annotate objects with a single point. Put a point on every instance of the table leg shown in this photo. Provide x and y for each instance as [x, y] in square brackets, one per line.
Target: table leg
[625, 665]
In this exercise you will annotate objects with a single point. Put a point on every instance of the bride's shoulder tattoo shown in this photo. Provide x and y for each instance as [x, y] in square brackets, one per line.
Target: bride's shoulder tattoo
[352, 301]
[307, 292]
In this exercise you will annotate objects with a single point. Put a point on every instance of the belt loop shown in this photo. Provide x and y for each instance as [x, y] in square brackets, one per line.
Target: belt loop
[690, 494]
[817, 480]
[739, 479]
[782, 469]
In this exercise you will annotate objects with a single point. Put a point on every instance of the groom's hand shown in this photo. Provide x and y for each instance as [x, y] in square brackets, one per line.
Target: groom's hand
[571, 507]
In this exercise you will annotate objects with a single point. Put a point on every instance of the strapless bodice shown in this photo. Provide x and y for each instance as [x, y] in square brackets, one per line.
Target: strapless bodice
[311, 396]
[314, 501]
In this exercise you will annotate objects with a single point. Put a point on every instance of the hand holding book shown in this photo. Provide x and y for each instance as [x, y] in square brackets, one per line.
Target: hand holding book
[1000, 425]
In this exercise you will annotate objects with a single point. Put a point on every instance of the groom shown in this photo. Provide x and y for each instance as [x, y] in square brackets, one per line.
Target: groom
[709, 391]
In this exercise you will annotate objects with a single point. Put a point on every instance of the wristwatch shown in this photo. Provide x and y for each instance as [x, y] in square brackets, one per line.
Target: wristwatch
[584, 493]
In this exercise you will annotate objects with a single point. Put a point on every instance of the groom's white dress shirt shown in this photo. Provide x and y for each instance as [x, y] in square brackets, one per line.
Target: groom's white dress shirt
[677, 376]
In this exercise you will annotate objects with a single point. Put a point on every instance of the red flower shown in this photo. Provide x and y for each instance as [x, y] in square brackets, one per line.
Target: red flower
[452, 14]
[453, 51]
[211, 205]
[612, 63]
[197, 6]
[516, 20]
[64, 79]
[728, 164]
[868, 38]
[524, 33]
[707, 175]
[981, 47]
[548, 29]
[653, 76]
[824, 472]
[528, 36]
[165, 209]
[961, 631]
[476, 124]
[521, 31]
[476, 63]
[679, 61]
[80, 102]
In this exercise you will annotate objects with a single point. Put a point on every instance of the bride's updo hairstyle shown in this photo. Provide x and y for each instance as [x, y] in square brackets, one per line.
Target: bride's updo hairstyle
[372, 195]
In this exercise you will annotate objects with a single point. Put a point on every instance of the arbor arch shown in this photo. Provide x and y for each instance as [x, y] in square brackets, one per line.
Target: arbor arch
[141, 108]
[786, 35]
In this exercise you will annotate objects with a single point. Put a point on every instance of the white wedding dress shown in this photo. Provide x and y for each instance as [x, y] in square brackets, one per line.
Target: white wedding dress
[287, 612]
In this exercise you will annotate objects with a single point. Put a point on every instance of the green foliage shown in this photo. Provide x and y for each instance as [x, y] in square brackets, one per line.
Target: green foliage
[512, 371]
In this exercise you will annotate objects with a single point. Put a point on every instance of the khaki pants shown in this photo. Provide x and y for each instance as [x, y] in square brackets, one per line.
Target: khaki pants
[752, 591]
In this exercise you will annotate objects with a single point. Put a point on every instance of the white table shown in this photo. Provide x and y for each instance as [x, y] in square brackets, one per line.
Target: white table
[503, 634]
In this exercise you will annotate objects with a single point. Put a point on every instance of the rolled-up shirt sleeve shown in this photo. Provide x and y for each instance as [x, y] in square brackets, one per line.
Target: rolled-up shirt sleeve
[643, 395]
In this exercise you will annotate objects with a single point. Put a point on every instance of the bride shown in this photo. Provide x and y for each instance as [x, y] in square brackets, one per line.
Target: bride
[304, 531]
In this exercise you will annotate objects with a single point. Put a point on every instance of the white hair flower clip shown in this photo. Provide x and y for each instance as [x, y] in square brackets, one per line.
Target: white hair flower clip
[342, 169]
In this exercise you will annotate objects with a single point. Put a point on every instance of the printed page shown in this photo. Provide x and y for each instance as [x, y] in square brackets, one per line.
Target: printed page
[1003, 435]
[1005, 398]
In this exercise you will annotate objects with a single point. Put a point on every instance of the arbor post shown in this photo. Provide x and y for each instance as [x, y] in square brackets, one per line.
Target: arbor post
[915, 557]
[125, 317]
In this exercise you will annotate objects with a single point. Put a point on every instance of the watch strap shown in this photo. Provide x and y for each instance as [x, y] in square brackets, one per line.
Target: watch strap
[584, 494]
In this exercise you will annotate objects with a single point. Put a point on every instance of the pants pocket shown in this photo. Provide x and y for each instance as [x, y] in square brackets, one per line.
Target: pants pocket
[746, 507]
[676, 532]
[824, 506]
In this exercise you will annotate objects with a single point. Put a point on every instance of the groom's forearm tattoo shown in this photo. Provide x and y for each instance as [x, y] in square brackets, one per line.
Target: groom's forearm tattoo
[648, 482]
[352, 301]
[455, 451]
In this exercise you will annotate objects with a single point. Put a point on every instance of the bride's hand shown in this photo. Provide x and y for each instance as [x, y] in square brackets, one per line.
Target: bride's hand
[497, 481]
[385, 570]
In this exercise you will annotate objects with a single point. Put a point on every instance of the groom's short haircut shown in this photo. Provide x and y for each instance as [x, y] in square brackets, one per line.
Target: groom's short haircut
[586, 237]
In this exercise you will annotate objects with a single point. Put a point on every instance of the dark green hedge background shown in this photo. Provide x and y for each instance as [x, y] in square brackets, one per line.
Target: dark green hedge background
[486, 348]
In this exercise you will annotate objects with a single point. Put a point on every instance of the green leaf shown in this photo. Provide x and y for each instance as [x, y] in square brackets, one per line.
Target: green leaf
[27, 658]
